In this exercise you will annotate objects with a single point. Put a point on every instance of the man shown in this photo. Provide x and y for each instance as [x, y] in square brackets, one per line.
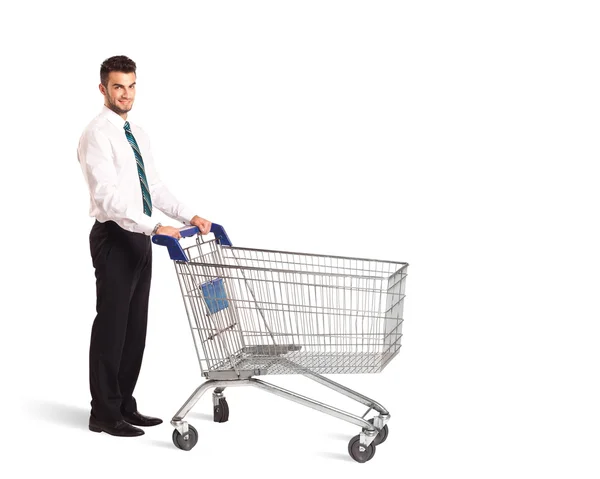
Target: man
[117, 164]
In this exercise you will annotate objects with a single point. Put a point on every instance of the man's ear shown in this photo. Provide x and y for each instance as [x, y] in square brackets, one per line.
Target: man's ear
[102, 89]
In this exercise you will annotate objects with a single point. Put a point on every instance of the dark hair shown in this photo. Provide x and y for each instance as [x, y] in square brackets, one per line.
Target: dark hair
[116, 64]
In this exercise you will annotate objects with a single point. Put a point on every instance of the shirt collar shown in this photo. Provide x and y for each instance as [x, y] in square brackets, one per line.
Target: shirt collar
[113, 117]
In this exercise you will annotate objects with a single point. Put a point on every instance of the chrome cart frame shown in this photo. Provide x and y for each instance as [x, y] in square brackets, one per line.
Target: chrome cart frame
[257, 312]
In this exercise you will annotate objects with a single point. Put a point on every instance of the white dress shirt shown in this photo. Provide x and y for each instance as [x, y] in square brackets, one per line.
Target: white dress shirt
[109, 167]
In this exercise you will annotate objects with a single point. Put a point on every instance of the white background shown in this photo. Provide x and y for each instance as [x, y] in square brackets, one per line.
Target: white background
[460, 137]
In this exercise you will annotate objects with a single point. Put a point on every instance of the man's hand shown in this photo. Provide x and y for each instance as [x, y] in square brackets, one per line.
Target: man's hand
[202, 224]
[169, 231]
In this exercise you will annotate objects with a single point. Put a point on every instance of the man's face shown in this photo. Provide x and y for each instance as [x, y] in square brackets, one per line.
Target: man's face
[119, 92]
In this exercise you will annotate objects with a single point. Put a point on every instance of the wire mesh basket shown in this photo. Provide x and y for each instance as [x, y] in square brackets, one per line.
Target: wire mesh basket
[258, 312]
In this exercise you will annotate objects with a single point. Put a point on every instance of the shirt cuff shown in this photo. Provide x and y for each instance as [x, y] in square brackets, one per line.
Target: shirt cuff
[146, 225]
[186, 215]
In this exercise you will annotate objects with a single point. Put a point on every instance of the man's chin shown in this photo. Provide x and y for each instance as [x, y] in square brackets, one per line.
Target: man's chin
[118, 110]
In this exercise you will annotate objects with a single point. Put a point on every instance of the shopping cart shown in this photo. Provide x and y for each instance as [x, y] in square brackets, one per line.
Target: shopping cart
[256, 312]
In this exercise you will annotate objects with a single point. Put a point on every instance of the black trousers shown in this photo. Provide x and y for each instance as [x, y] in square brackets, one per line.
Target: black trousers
[123, 265]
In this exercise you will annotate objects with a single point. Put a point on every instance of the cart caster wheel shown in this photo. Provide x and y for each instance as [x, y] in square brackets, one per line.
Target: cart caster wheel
[221, 412]
[359, 452]
[185, 444]
[382, 436]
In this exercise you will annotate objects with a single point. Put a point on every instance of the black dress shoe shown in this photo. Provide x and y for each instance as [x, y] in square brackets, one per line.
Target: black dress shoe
[138, 419]
[115, 428]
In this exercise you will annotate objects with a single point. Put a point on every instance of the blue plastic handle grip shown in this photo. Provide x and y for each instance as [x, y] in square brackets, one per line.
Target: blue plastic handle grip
[176, 251]
[220, 234]
[189, 231]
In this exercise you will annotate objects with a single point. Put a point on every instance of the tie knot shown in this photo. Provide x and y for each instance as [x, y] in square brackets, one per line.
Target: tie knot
[127, 127]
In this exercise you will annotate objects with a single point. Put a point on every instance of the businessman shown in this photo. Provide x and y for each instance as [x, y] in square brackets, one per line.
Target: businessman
[118, 167]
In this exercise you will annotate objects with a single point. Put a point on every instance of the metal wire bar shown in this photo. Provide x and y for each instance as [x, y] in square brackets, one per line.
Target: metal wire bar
[284, 313]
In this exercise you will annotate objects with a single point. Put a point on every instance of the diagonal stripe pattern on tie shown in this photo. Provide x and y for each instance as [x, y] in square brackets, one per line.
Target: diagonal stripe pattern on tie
[141, 172]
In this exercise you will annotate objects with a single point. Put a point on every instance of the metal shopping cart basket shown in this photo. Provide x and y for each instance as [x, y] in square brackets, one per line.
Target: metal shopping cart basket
[257, 312]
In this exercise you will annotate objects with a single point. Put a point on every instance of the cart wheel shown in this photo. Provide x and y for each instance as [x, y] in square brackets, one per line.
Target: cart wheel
[359, 452]
[221, 412]
[382, 436]
[185, 444]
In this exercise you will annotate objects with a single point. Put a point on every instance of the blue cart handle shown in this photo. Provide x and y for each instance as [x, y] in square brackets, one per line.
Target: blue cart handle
[176, 251]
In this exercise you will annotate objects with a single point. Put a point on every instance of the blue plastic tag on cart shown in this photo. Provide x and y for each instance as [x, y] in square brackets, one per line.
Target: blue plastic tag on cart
[214, 295]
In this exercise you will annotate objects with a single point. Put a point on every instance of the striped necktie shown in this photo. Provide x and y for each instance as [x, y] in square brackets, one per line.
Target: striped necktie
[141, 172]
